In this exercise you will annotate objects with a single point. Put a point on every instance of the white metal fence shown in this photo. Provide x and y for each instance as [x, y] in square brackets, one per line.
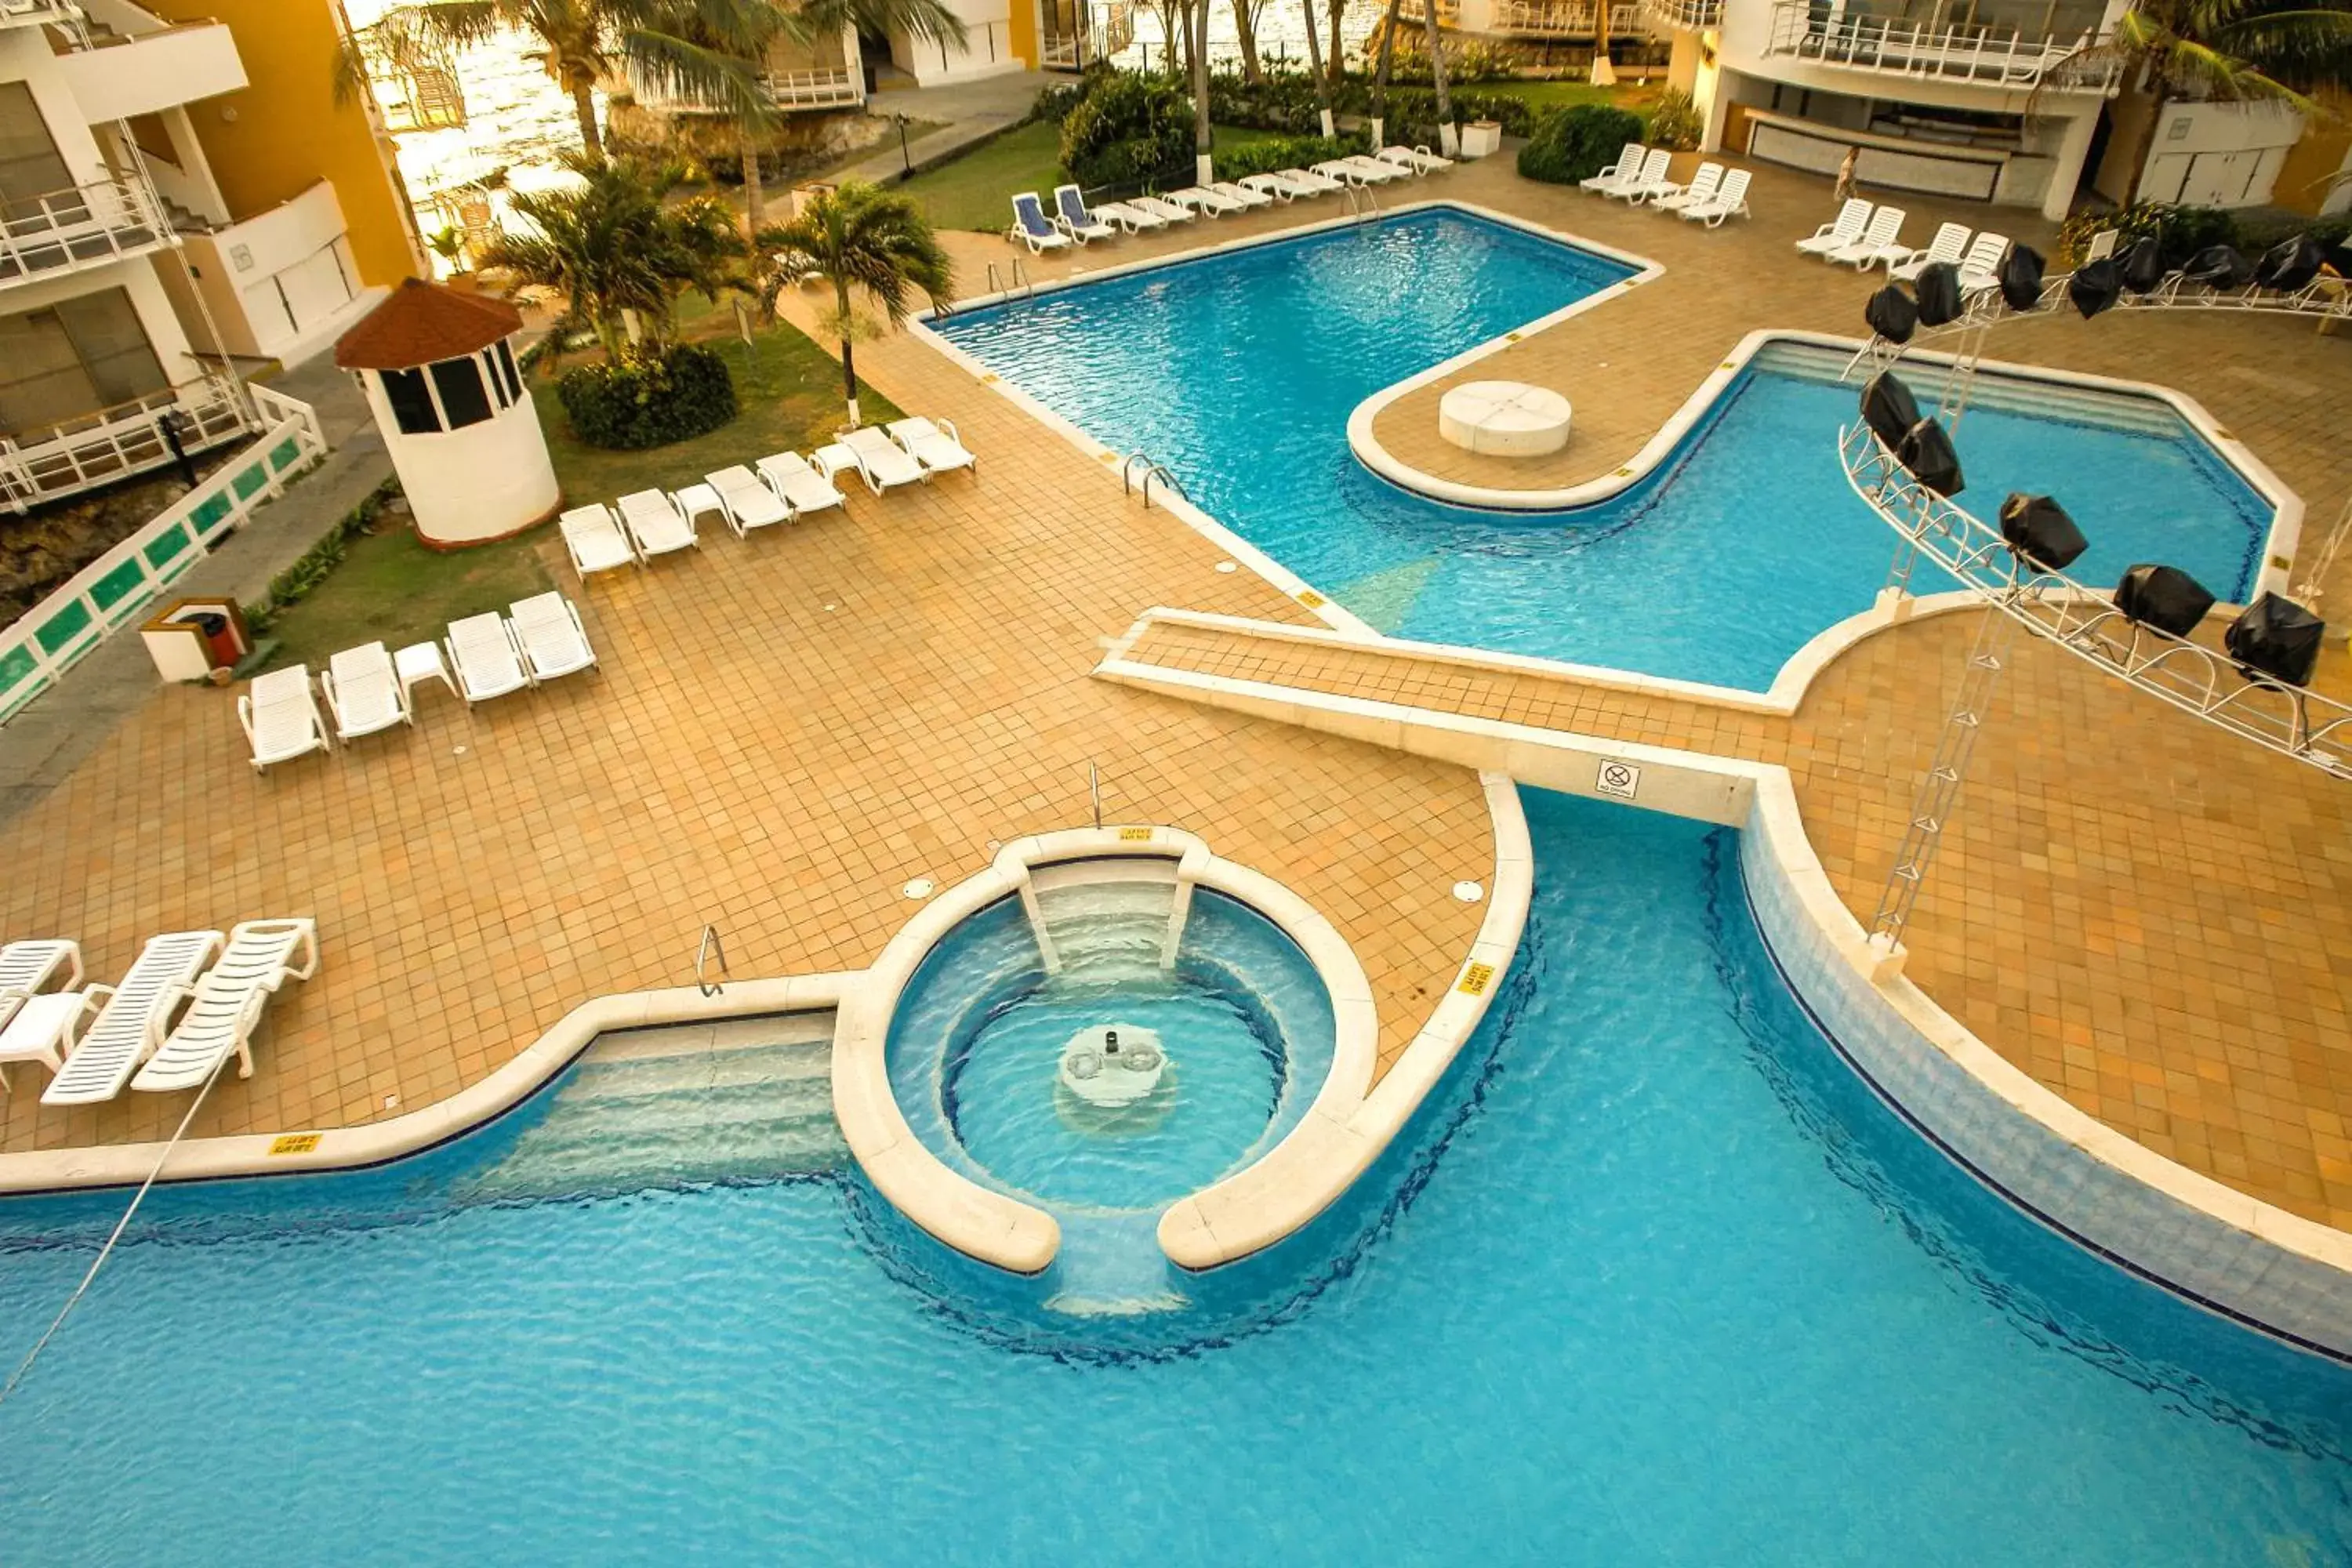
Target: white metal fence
[112, 592]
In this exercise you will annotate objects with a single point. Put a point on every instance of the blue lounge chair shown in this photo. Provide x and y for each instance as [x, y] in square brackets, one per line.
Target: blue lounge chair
[1030, 228]
[1073, 220]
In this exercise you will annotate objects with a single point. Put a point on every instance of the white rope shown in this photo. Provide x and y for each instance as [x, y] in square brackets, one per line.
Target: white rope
[108, 1250]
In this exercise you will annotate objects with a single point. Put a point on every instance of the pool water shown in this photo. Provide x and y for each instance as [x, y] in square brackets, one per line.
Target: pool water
[1651, 1279]
[1239, 372]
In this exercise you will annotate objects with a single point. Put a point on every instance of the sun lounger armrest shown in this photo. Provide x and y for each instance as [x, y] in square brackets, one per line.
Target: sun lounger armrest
[245, 716]
[948, 425]
[168, 1001]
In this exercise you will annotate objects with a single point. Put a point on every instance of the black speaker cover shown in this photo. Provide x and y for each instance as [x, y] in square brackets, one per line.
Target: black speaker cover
[2093, 287]
[2220, 267]
[2020, 278]
[1939, 288]
[2143, 264]
[2039, 531]
[2290, 264]
[1891, 314]
[2164, 597]
[1927, 452]
[1889, 409]
[2276, 637]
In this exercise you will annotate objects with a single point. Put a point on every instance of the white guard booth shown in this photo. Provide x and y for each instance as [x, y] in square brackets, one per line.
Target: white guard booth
[439, 373]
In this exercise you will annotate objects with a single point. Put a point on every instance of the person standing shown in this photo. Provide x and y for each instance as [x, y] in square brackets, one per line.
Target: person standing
[1845, 191]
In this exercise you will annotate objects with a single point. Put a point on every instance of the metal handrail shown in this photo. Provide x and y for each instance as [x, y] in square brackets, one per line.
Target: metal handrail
[1159, 471]
[79, 226]
[1019, 275]
[1695, 15]
[2208, 684]
[110, 443]
[710, 946]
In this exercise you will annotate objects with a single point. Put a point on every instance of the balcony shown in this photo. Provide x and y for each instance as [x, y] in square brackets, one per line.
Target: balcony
[1939, 51]
[123, 75]
[79, 228]
[38, 13]
[1691, 16]
[110, 443]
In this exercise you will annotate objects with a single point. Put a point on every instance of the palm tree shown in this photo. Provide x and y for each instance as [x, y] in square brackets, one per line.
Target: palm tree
[863, 237]
[579, 43]
[1245, 34]
[1437, 74]
[1314, 65]
[1381, 77]
[1199, 37]
[618, 250]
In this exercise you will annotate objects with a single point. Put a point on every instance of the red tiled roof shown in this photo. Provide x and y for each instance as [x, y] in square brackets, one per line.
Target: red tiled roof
[423, 323]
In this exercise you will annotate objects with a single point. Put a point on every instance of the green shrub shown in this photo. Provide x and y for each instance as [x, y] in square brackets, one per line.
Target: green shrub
[1054, 103]
[1675, 122]
[648, 400]
[2181, 232]
[1285, 153]
[1576, 143]
[1126, 130]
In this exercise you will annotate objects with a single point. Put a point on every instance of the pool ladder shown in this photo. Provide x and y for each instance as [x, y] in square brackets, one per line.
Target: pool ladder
[1152, 469]
[1016, 279]
[1362, 204]
[710, 947]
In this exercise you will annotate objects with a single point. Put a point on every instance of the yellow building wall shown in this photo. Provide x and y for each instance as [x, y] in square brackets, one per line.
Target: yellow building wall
[1022, 31]
[283, 131]
[2303, 180]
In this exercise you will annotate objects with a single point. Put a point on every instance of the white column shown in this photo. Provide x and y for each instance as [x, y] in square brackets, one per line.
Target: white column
[2066, 164]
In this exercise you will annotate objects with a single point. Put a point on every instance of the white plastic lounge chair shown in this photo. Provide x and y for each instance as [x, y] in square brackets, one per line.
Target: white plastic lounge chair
[1374, 171]
[1070, 215]
[1321, 185]
[43, 1031]
[594, 538]
[548, 627]
[1242, 194]
[364, 692]
[935, 445]
[227, 1004]
[1417, 158]
[1951, 241]
[483, 656]
[1704, 183]
[1200, 199]
[657, 525]
[797, 485]
[1881, 242]
[1840, 231]
[1132, 216]
[1981, 268]
[1341, 170]
[2103, 245]
[1276, 187]
[746, 503]
[694, 500]
[1731, 200]
[1159, 206]
[280, 716]
[27, 966]
[132, 1017]
[1651, 181]
[1033, 228]
[887, 464]
[1627, 166]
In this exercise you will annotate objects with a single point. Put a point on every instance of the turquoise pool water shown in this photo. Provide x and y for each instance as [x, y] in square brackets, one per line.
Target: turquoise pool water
[1239, 370]
[1651, 1279]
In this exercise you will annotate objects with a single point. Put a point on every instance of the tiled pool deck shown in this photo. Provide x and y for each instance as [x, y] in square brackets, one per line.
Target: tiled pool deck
[788, 731]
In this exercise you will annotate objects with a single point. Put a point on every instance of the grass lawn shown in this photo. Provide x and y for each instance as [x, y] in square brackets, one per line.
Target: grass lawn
[976, 191]
[1542, 95]
[391, 589]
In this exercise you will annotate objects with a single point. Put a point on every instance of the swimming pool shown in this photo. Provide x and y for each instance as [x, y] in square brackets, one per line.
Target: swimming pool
[1239, 370]
[1652, 1278]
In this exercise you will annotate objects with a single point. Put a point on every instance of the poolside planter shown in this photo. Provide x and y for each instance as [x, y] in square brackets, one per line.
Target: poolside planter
[1481, 138]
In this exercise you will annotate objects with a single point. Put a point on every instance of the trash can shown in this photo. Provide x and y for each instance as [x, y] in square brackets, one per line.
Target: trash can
[190, 639]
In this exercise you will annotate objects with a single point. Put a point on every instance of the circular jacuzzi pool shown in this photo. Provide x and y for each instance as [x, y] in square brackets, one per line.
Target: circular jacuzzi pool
[1090, 1071]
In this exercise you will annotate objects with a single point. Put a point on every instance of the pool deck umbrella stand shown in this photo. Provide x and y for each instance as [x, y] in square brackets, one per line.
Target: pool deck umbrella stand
[438, 370]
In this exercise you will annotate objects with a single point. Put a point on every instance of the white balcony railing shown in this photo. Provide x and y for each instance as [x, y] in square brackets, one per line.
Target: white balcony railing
[82, 225]
[40, 12]
[1104, 31]
[1957, 51]
[1556, 19]
[816, 88]
[104, 445]
[1692, 16]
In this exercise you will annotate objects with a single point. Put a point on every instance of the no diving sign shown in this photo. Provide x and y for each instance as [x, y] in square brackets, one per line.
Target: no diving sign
[1620, 779]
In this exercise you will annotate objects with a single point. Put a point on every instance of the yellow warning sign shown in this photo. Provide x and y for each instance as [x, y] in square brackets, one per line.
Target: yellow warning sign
[1310, 598]
[294, 1143]
[1135, 836]
[1475, 979]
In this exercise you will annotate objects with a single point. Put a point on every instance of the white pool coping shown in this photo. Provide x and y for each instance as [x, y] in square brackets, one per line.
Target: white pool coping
[299, 1150]
[1345, 1127]
[2221, 1248]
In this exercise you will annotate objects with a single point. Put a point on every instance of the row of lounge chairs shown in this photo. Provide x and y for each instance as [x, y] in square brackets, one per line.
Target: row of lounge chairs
[1863, 236]
[784, 487]
[538, 639]
[1640, 178]
[94, 1041]
[1073, 222]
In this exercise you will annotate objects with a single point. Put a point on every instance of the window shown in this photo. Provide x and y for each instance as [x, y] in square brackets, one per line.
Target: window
[459, 383]
[77, 357]
[30, 168]
[411, 400]
[506, 370]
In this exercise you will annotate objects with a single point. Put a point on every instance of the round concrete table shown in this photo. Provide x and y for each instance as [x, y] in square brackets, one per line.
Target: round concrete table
[1503, 418]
